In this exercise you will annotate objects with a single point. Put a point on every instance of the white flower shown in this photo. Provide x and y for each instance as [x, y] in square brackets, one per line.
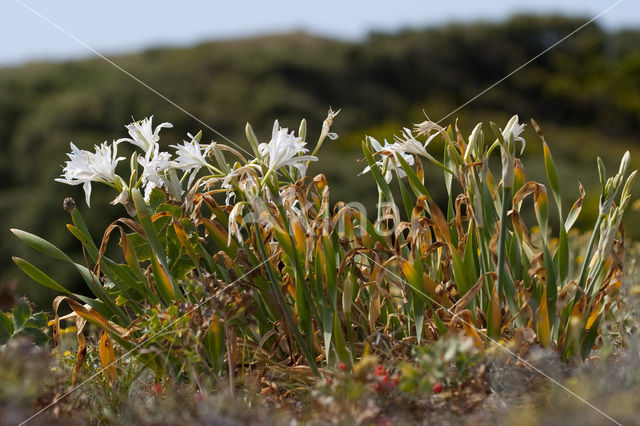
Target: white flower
[143, 135]
[326, 126]
[514, 128]
[390, 153]
[155, 164]
[410, 145]
[191, 157]
[85, 167]
[284, 149]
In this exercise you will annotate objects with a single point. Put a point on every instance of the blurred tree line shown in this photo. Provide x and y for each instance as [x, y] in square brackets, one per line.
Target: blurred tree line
[584, 92]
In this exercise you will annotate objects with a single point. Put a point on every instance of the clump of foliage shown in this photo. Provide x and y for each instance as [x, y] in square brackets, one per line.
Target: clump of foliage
[23, 322]
[232, 265]
[446, 363]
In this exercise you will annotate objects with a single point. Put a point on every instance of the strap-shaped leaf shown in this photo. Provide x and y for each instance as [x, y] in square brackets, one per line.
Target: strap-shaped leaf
[144, 216]
[41, 245]
[575, 210]
[288, 318]
[414, 181]
[543, 329]
[39, 276]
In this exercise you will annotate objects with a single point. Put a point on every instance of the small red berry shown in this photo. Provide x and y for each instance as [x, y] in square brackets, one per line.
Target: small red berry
[437, 387]
[380, 371]
[157, 388]
[329, 381]
[388, 384]
[342, 366]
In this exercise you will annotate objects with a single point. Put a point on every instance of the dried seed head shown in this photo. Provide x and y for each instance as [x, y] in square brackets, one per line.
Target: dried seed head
[68, 204]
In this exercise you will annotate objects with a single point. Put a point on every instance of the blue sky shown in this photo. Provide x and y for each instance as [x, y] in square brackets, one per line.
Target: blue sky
[122, 26]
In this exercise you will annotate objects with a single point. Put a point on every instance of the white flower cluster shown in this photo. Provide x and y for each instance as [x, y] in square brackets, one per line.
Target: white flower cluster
[158, 168]
[407, 145]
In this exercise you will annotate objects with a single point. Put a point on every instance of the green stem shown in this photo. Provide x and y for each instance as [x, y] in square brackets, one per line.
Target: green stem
[265, 177]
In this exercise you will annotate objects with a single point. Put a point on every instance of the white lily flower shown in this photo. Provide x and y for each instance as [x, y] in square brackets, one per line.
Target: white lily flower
[514, 128]
[410, 145]
[155, 164]
[284, 149]
[142, 134]
[191, 157]
[391, 153]
[85, 167]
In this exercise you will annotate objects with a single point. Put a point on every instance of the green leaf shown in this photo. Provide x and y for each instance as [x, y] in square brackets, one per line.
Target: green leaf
[140, 246]
[86, 241]
[163, 281]
[284, 308]
[37, 320]
[415, 281]
[590, 338]
[562, 255]
[81, 232]
[37, 335]
[253, 140]
[552, 285]
[214, 343]
[144, 217]
[459, 272]
[340, 342]
[552, 175]
[406, 199]
[92, 281]
[156, 199]
[6, 328]
[21, 313]
[418, 313]
[39, 276]
[415, 182]
[41, 245]
[49, 249]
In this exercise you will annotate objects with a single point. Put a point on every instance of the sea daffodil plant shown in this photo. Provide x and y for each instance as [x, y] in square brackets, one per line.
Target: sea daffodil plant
[251, 265]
